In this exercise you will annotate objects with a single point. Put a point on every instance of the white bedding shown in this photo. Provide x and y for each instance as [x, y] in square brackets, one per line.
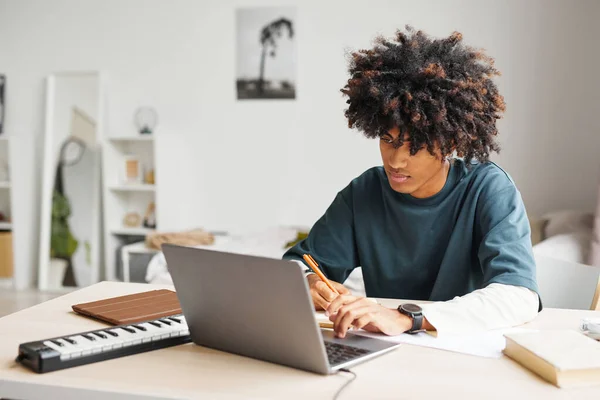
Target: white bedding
[269, 243]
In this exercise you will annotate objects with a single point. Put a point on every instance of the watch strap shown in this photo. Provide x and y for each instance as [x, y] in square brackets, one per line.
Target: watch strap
[417, 323]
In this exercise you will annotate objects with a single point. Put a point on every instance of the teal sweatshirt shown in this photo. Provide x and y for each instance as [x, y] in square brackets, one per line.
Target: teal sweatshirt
[472, 233]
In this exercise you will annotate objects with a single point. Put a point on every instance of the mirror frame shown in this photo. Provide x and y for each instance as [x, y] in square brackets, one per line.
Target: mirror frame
[48, 171]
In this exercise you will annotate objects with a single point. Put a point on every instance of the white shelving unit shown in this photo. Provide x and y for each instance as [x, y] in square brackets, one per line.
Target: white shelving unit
[121, 197]
[140, 187]
[6, 260]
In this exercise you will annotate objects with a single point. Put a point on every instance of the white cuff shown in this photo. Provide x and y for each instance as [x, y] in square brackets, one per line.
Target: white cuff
[493, 307]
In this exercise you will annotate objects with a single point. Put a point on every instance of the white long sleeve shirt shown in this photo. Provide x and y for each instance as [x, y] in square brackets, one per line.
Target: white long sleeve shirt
[493, 307]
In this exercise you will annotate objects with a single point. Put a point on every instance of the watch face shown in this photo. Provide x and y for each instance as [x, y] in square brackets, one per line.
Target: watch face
[413, 308]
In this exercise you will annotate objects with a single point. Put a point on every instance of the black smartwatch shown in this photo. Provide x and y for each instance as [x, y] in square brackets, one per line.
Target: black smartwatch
[415, 313]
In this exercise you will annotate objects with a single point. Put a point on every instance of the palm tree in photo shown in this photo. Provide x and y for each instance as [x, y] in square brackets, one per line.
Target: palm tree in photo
[268, 34]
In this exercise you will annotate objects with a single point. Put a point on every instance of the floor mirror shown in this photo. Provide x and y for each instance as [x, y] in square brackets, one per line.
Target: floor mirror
[70, 230]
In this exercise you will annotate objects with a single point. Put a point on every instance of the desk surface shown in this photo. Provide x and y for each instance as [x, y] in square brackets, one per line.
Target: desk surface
[190, 371]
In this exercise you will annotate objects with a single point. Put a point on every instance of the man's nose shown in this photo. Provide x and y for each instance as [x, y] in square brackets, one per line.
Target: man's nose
[398, 158]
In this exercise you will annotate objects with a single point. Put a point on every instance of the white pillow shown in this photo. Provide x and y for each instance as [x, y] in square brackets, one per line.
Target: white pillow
[574, 247]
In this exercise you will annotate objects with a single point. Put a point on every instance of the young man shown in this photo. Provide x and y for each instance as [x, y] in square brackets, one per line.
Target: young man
[425, 225]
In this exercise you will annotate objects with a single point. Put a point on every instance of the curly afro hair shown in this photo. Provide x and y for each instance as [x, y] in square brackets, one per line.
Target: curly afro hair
[439, 91]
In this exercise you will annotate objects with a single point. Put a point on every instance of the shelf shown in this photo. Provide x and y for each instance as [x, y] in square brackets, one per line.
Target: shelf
[5, 226]
[147, 138]
[141, 231]
[4, 185]
[137, 187]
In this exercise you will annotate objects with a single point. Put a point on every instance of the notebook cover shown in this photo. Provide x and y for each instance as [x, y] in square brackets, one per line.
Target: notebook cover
[132, 308]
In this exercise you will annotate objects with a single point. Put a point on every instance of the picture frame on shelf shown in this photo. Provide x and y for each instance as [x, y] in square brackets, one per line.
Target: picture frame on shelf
[132, 169]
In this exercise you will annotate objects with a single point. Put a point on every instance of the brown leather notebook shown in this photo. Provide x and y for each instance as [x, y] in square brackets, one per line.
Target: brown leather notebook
[132, 308]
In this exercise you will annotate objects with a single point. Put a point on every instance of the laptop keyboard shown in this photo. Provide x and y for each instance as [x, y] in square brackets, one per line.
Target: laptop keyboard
[341, 353]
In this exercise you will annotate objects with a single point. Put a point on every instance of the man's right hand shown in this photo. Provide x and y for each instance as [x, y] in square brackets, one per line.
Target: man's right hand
[320, 292]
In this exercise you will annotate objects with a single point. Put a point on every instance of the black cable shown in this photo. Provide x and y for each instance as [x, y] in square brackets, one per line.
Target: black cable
[345, 384]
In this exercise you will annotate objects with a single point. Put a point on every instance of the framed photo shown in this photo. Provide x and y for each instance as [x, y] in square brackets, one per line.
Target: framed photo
[266, 53]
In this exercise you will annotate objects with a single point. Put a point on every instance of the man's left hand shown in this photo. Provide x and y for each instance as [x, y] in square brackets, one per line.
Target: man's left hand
[347, 311]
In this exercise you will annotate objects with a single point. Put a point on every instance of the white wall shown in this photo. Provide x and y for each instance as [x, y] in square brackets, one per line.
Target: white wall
[228, 164]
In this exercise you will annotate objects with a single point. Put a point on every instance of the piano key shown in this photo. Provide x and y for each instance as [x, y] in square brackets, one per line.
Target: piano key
[89, 337]
[82, 344]
[153, 333]
[166, 322]
[175, 319]
[128, 329]
[57, 342]
[129, 337]
[156, 324]
[139, 327]
[111, 332]
[52, 345]
[101, 335]
[71, 341]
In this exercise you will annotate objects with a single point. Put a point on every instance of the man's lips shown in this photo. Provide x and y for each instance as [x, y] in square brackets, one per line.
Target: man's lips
[398, 178]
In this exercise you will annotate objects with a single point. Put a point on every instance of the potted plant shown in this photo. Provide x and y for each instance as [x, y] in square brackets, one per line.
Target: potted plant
[62, 242]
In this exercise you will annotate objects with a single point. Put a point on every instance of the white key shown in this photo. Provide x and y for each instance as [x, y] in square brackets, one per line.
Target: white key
[64, 354]
[154, 332]
[108, 343]
[170, 330]
[69, 349]
[82, 344]
[129, 339]
[146, 335]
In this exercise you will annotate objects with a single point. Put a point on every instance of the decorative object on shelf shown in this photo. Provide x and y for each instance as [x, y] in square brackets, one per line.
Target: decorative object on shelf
[149, 218]
[274, 30]
[149, 177]
[146, 119]
[132, 220]
[2, 107]
[132, 169]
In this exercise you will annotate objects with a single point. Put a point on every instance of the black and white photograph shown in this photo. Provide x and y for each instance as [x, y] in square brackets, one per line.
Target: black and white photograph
[266, 53]
[2, 84]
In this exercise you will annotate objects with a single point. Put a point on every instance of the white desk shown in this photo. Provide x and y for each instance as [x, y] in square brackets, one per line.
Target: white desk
[190, 371]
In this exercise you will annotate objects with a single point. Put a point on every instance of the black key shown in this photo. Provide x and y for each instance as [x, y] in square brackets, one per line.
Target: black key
[70, 340]
[100, 335]
[165, 321]
[88, 337]
[128, 329]
[175, 319]
[156, 324]
[141, 328]
[115, 334]
[57, 343]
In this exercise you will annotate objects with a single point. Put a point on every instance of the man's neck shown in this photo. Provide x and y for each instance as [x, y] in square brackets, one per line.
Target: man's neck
[435, 184]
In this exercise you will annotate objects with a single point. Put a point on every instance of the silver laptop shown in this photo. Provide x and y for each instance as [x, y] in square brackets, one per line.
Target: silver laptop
[259, 308]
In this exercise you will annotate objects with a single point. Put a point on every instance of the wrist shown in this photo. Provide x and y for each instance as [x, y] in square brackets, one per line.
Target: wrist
[404, 322]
